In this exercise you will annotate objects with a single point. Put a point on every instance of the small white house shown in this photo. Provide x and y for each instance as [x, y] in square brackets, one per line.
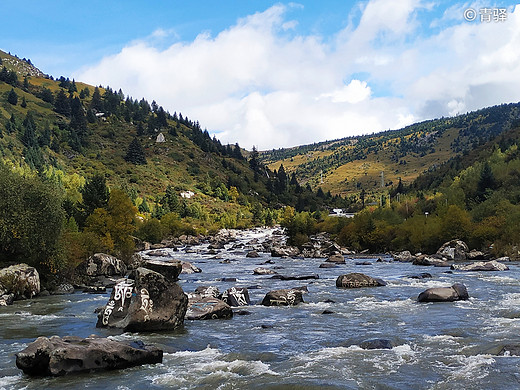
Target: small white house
[160, 138]
[187, 194]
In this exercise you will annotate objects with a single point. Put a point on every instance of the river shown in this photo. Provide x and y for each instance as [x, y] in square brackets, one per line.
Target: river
[437, 345]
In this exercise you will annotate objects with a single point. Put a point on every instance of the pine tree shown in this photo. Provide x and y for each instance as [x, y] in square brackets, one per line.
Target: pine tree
[95, 194]
[135, 153]
[12, 97]
[24, 102]
[61, 103]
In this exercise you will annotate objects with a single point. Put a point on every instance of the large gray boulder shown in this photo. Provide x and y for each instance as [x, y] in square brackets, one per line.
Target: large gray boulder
[170, 269]
[358, 280]
[457, 292]
[492, 265]
[18, 282]
[283, 297]
[57, 356]
[148, 302]
[101, 264]
[208, 308]
[454, 250]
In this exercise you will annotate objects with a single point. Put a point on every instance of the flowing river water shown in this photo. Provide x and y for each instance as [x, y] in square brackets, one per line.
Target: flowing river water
[437, 345]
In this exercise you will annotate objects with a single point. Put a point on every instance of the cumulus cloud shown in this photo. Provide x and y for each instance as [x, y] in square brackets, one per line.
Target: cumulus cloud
[260, 83]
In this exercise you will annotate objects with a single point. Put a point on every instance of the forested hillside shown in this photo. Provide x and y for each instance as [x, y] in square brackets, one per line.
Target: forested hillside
[94, 149]
[373, 163]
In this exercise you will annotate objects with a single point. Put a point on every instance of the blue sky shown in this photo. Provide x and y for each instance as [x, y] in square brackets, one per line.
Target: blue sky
[275, 74]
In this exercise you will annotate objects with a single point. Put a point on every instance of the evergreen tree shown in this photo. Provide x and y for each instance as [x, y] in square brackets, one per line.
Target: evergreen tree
[61, 103]
[95, 194]
[486, 183]
[25, 84]
[135, 153]
[24, 102]
[12, 97]
[29, 134]
[237, 153]
[96, 104]
[171, 199]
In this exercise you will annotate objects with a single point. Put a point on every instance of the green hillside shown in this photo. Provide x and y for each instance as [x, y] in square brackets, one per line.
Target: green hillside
[117, 168]
[347, 166]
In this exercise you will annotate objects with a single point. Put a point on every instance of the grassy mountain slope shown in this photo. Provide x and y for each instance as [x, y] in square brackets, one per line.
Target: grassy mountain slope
[79, 129]
[348, 165]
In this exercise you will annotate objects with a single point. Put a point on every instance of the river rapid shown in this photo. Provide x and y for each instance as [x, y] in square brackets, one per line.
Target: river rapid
[437, 345]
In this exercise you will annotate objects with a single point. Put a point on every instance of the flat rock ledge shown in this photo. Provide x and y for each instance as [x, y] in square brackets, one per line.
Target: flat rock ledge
[57, 356]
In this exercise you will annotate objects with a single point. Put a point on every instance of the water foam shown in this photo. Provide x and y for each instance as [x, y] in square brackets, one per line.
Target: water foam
[208, 366]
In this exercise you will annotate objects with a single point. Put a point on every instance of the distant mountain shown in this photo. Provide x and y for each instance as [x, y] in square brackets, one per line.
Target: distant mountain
[378, 161]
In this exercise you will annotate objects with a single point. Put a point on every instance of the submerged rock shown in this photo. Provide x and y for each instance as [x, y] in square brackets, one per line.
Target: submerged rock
[295, 277]
[377, 344]
[21, 281]
[457, 292]
[492, 265]
[284, 297]
[57, 356]
[357, 280]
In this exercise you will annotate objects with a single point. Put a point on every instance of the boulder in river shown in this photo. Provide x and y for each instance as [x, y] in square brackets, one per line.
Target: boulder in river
[454, 250]
[188, 268]
[377, 344]
[252, 254]
[283, 297]
[296, 277]
[170, 269]
[264, 271]
[357, 280]
[336, 259]
[457, 292]
[236, 296]
[492, 265]
[208, 308]
[57, 356]
[436, 261]
[403, 257]
[101, 264]
[284, 251]
[20, 280]
[148, 302]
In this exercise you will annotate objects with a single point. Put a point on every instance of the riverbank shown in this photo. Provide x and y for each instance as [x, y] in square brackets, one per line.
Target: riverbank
[433, 345]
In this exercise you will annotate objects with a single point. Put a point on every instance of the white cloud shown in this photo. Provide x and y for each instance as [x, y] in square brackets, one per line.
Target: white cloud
[259, 83]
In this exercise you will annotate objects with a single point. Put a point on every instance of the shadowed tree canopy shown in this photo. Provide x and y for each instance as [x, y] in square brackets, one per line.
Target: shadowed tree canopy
[135, 153]
[95, 194]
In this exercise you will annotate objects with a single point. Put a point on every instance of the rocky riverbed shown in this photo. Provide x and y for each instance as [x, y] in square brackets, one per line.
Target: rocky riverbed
[365, 333]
